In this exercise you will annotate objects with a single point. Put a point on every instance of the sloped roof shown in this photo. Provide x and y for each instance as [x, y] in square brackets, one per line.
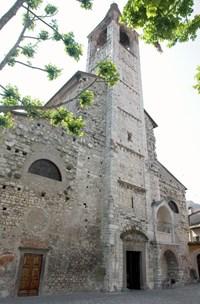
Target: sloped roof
[171, 174]
[151, 119]
[72, 82]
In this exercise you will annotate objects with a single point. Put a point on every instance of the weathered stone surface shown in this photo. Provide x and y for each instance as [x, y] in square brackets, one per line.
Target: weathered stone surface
[6, 259]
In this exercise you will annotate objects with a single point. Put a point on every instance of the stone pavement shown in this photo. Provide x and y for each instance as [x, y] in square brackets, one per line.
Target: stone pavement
[189, 294]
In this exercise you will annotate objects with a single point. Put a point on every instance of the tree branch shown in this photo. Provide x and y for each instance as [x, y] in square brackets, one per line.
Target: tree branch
[11, 12]
[69, 100]
[13, 49]
[45, 107]
[31, 37]
[47, 24]
[171, 9]
[30, 66]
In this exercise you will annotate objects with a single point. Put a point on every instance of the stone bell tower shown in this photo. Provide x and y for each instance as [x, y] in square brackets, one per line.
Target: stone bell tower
[126, 179]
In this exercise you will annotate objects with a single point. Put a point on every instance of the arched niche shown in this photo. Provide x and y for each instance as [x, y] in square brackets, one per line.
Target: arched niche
[170, 267]
[164, 220]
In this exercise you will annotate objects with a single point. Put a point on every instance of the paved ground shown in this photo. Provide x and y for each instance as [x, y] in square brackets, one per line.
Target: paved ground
[189, 294]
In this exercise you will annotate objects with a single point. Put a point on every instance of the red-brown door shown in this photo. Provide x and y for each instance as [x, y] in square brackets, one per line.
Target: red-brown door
[30, 276]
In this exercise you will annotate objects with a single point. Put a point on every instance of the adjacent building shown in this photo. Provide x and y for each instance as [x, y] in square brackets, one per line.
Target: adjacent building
[194, 239]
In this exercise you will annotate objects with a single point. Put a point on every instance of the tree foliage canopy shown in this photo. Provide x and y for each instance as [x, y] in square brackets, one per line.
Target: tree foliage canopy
[170, 21]
[36, 13]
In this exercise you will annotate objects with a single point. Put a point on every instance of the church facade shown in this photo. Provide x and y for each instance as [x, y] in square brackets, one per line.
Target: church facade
[99, 212]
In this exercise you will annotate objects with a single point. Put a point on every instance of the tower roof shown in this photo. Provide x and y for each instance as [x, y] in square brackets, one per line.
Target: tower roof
[112, 14]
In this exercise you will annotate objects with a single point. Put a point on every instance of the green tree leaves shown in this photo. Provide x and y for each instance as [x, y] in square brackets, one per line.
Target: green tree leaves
[107, 70]
[87, 4]
[86, 99]
[11, 100]
[34, 4]
[172, 21]
[11, 96]
[73, 125]
[197, 78]
[50, 9]
[33, 106]
[72, 48]
[169, 20]
[28, 50]
[31, 19]
[52, 71]
[43, 35]
[6, 121]
[61, 117]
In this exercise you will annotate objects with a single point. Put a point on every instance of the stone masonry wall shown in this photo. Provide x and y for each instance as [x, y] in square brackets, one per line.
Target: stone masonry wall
[60, 218]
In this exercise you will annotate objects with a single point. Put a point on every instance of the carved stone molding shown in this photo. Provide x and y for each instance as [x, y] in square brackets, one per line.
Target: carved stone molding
[127, 185]
[128, 114]
[124, 148]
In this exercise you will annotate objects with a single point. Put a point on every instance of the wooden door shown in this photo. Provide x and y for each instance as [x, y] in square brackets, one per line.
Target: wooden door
[30, 276]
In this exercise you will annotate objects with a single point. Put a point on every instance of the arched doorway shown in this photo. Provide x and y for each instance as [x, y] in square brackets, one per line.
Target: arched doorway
[134, 243]
[169, 267]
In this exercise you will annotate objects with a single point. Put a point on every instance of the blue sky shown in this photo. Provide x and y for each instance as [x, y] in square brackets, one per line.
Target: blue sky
[167, 85]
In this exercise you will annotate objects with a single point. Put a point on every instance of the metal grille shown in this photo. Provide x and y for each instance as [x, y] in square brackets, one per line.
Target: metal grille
[46, 168]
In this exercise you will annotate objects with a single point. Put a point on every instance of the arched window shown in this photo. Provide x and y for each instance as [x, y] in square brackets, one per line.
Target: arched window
[124, 40]
[46, 168]
[173, 207]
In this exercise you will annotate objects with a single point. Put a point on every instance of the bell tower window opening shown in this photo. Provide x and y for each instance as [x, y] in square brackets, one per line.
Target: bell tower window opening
[124, 40]
[102, 39]
[46, 168]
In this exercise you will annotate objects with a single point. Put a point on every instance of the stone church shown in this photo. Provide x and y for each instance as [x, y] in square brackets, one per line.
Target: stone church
[99, 212]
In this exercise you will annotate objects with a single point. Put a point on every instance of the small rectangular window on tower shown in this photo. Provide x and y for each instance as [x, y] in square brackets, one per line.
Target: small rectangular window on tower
[132, 203]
